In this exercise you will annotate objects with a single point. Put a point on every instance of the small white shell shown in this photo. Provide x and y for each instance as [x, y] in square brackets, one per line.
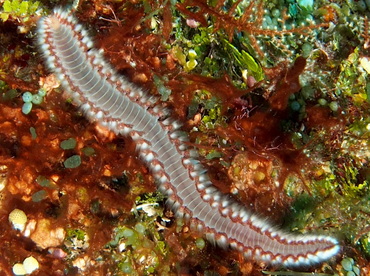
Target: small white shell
[18, 218]
[30, 264]
[18, 269]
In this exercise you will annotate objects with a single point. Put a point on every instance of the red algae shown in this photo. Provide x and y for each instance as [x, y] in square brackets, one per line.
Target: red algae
[63, 207]
[287, 84]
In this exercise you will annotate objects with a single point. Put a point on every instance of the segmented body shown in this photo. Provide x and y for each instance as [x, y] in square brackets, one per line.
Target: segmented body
[125, 109]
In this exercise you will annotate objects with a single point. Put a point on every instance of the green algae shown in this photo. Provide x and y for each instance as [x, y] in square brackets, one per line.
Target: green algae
[39, 196]
[33, 133]
[72, 162]
[349, 267]
[162, 89]
[244, 60]
[30, 99]
[88, 151]
[46, 182]
[68, 144]
[139, 242]
[365, 244]
[200, 243]
[212, 115]
[22, 10]
[76, 241]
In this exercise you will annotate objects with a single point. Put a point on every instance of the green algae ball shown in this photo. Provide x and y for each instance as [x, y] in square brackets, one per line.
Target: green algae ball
[200, 243]
[39, 196]
[334, 106]
[27, 97]
[306, 50]
[276, 13]
[72, 162]
[356, 270]
[26, 108]
[347, 264]
[88, 151]
[42, 92]
[68, 144]
[322, 101]
[37, 99]
[295, 106]
[33, 133]
[305, 4]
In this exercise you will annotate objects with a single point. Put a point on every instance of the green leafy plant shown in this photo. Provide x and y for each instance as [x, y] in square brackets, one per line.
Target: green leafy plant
[19, 9]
